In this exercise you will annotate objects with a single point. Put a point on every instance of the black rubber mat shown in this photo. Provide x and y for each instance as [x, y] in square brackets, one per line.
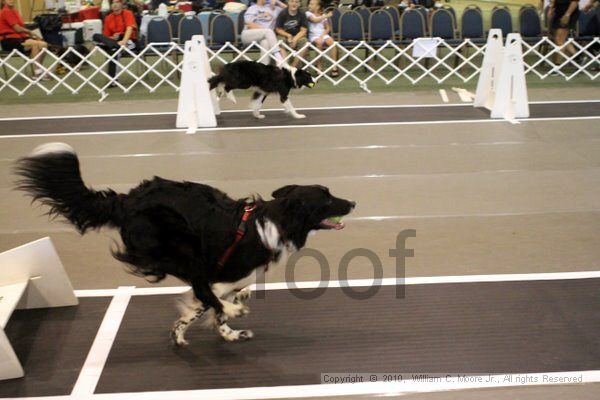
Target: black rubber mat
[500, 327]
[52, 345]
[279, 118]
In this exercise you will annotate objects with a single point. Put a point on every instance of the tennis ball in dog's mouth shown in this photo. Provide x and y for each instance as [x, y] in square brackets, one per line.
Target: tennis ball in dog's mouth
[336, 219]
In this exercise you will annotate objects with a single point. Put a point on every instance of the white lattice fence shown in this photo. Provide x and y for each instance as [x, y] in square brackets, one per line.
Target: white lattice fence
[160, 65]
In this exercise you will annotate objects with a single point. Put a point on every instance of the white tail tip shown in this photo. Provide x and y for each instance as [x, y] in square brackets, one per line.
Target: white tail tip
[55, 147]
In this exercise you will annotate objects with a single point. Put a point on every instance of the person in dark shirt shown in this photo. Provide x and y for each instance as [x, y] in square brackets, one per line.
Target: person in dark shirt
[291, 27]
[564, 15]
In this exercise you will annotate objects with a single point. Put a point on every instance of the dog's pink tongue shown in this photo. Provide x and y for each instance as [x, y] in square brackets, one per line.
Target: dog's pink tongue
[333, 225]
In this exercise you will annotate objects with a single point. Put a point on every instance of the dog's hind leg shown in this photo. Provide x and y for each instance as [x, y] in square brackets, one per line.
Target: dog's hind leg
[289, 108]
[191, 310]
[258, 99]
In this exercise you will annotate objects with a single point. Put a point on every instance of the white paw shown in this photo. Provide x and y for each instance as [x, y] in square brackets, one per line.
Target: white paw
[243, 295]
[181, 342]
[178, 336]
[233, 336]
[298, 116]
[234, 310]
[258, 115]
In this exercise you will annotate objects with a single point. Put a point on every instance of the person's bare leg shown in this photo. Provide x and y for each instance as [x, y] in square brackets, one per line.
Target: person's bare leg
[560, 39]
[319, 44]
[331, 45]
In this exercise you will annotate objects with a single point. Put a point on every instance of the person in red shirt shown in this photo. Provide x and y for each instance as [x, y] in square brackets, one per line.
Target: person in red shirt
[120, 29]
[14, 35]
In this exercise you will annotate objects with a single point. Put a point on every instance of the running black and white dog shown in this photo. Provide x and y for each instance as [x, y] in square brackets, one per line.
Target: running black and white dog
[264, 79]
[186, 230]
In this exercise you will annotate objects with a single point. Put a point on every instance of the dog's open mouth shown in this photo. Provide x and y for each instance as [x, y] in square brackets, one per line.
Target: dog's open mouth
[333, 223]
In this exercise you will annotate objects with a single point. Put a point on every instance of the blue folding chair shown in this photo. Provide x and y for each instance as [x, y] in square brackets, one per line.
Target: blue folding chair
[501, 19]
[159, 31]
[174, 19]
[587, 26]
[189, 26]
[351, 29]
[412, 26]
[222, 30]
[381, 27]
[530, 24]
[471, 24]
[443, 26]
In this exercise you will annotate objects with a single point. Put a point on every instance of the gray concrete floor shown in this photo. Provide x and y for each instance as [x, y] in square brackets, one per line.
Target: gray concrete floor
[484, 198]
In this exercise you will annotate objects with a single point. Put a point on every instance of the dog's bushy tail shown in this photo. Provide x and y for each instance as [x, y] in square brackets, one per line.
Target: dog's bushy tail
[50, 174]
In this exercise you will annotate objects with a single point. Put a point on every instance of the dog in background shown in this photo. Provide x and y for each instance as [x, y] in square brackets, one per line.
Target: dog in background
[187, 230]
[264, 79]
[71, 58]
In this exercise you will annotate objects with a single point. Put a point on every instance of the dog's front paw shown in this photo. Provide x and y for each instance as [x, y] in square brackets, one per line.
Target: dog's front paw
[246, 334]
[298, 116]
[234, 336]
[242, 296]
[258, 115]
[178, 339]
[234, 310]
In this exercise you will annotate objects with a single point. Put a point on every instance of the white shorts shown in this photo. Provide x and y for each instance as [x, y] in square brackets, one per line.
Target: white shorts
[325, 38]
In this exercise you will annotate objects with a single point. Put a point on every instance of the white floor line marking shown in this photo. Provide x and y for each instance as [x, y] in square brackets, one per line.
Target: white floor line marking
[280, 109]
[266, 128]
[367, 388]
[424, 280]
[464, 95]
[444, 95]
[96, 358]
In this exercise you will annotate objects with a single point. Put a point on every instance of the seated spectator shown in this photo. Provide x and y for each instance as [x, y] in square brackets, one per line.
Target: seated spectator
[14, 35]
[318, 31]
[120, 29]
[259, 25]
[291, 27]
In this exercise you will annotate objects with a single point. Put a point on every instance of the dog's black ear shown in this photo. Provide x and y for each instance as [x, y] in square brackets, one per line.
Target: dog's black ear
[283, 191]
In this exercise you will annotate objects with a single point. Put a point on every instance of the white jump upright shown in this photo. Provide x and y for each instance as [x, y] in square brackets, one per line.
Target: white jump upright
[31, 276]
[511, 93]
[197, 106]
[490, 70]
[501, 87]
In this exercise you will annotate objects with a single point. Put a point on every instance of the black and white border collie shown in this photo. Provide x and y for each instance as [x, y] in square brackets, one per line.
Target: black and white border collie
[183, 229]
[264, 79]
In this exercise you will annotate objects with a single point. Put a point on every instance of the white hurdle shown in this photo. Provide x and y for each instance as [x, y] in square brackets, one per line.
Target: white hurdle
[197, 106]
[31, 276]
[501, 87]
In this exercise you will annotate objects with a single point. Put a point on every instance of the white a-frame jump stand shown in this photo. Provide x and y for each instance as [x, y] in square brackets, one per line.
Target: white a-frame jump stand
[197, 107]
[31, 276]
[501, 87]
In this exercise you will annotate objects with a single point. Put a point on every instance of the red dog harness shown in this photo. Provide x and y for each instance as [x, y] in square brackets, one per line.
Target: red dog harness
[241, 231]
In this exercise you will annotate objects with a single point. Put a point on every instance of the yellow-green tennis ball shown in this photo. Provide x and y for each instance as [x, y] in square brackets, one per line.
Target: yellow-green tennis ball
[336, 220]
